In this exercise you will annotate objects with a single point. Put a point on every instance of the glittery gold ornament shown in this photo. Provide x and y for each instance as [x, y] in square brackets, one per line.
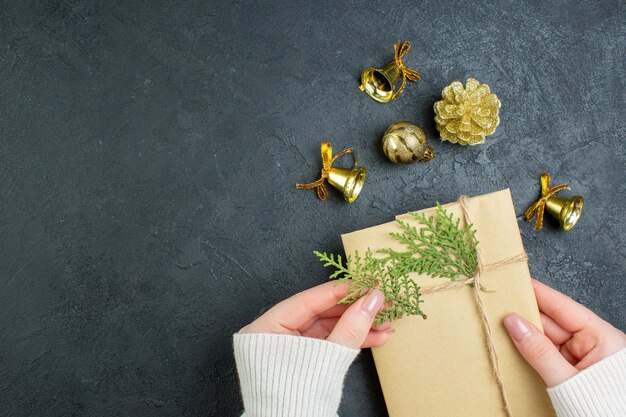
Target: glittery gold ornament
[465, 115]
[405, 143]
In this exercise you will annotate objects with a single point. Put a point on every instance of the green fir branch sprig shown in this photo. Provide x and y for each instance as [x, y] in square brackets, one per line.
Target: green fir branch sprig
[440, 249]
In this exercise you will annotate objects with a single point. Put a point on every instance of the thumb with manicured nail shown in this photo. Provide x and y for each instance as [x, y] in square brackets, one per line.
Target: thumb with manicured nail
[539, 351]
[355, 324]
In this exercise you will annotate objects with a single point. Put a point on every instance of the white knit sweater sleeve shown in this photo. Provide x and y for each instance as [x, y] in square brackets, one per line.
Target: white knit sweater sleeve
[286, 376]
[598, 391]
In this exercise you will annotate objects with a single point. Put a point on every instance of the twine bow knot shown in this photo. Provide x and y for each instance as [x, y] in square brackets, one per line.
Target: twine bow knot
[327, 161]
[538, 208]
[400, 50]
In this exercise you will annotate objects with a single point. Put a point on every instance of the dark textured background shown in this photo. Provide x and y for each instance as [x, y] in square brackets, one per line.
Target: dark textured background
[149, 152]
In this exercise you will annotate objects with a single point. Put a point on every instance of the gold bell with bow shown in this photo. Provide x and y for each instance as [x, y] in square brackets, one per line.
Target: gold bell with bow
[347, 180]
[380, 83]
[566, 209]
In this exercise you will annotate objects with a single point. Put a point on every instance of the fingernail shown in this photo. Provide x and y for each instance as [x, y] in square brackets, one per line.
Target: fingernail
[517, 327]
[390, 330]
[372, 303]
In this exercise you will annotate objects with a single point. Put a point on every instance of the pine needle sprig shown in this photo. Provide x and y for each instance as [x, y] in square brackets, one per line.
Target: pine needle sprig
[440, 249]
[402, 294]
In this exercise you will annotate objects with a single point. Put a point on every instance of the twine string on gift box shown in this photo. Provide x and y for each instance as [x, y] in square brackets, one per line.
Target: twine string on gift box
[475, 282]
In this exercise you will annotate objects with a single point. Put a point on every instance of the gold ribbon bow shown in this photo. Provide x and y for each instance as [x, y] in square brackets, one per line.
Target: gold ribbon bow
[400, 50]
[538, 208]
[327, 162]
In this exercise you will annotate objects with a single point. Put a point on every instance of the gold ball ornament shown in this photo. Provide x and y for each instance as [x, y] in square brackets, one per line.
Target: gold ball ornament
[405, 143]
[465, 115]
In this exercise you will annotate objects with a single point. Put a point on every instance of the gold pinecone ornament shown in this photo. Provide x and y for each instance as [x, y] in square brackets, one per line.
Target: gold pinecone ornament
[465, 115]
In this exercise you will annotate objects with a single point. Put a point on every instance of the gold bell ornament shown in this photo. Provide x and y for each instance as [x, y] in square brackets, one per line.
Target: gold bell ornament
[347, 180]
[405, 143]
[380, 83]
[566, 209]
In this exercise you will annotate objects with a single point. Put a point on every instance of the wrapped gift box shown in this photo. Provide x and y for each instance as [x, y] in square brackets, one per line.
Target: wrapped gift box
[440, 366]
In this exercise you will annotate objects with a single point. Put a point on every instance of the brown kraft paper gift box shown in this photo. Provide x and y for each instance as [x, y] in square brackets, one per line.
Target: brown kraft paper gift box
[440, 366]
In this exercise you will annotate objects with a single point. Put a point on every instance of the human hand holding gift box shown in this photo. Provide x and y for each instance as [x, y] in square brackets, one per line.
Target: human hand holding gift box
[441, 366]
[462, 358]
